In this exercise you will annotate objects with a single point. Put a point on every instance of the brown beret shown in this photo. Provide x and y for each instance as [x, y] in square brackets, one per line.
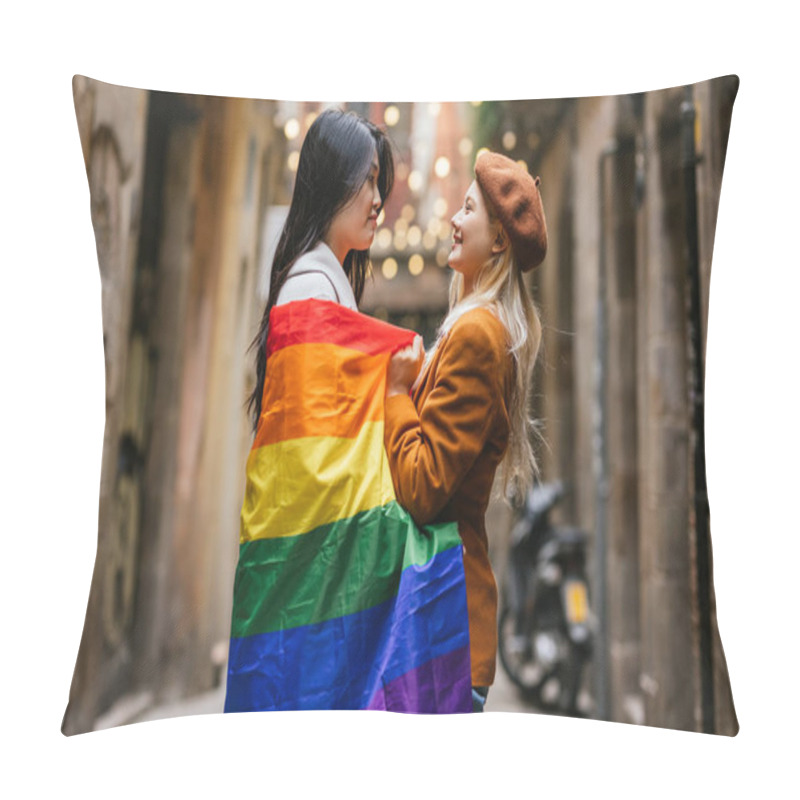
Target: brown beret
[514, 196]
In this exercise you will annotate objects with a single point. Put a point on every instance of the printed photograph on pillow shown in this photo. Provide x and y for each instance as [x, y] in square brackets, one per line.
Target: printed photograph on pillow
[279, 529]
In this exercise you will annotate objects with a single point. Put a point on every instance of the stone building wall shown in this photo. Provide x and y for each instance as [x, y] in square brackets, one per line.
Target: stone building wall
[186, 182]
[613, 384]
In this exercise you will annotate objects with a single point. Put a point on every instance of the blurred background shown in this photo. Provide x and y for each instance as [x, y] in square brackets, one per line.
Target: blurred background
[188, 195]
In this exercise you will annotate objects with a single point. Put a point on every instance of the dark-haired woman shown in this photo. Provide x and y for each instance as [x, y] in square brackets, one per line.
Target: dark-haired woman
[344, 176]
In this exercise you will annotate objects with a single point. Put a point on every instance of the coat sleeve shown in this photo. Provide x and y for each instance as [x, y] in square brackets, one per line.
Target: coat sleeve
[431, 451]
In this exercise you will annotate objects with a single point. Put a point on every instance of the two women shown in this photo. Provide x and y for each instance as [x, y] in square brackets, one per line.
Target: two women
[469, 410]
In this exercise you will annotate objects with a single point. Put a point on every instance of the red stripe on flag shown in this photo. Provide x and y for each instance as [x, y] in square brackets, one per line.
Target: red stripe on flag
[318, 321]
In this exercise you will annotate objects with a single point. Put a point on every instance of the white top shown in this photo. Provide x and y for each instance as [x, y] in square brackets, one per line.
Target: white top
[318, 275]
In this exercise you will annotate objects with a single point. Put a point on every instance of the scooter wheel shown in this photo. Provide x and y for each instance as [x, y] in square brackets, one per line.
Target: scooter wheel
[518, 659]
[552, 688]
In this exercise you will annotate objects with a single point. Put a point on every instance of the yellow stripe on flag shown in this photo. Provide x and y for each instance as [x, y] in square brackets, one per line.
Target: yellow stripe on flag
[297, 485]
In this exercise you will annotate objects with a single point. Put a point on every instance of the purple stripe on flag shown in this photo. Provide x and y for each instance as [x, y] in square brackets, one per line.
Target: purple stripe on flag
[430, 687]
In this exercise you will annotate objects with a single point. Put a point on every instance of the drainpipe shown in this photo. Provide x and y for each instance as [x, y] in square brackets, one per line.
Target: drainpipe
[697, 409]
[600, 455]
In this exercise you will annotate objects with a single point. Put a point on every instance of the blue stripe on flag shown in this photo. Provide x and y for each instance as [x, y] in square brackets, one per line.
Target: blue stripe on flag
[341, 663]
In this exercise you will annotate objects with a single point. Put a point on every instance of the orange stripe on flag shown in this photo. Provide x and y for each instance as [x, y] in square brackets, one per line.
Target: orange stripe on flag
[341, 390]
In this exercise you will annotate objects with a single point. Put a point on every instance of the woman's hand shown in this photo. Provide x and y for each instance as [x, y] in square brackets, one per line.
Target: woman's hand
[404, 368]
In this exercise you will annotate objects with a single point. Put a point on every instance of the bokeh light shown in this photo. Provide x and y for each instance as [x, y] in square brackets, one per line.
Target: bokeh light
[416, 264]
[391, 116]
[389, 268]
[384, 238]
[291, 129]
[429, 240]
[442, 167]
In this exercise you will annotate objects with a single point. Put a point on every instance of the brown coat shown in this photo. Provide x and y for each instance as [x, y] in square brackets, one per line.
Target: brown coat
[444, 446]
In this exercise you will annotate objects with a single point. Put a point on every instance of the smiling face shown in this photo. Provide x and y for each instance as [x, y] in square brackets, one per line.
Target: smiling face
[353, 227]
[475, 237]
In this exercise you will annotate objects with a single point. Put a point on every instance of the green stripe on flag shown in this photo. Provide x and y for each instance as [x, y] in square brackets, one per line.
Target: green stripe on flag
[331, 571]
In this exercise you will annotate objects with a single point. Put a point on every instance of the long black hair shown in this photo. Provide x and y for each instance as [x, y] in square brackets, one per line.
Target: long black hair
[335, 160]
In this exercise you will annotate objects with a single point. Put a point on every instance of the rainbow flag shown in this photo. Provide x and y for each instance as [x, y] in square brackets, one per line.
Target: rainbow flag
[339, 600]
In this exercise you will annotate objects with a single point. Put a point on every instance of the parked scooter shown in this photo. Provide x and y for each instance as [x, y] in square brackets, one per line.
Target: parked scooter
[545, 630]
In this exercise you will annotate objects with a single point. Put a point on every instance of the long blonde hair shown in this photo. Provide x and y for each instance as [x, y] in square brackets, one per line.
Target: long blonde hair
[499, 286]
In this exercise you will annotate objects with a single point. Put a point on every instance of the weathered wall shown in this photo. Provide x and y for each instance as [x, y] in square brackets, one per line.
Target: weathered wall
[666, 588]
[113, 140]
[180, 308]
[617, 249]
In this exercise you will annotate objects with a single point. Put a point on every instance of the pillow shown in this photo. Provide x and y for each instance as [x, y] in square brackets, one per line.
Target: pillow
[188, 193]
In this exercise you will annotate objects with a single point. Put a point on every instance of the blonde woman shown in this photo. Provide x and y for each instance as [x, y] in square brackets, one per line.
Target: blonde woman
[468, 411]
